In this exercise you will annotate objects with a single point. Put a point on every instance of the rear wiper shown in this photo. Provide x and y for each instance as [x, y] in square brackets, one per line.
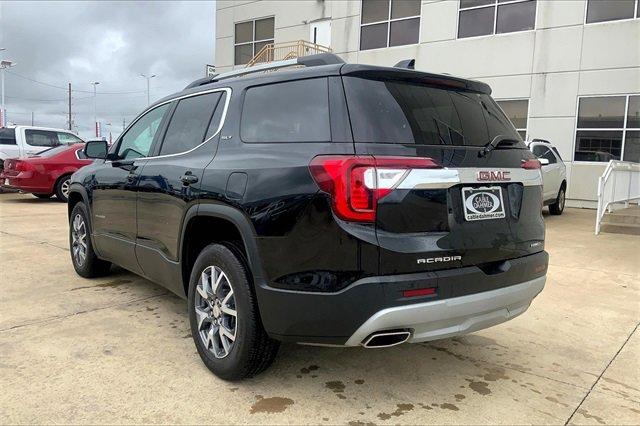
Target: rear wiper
[498, 140]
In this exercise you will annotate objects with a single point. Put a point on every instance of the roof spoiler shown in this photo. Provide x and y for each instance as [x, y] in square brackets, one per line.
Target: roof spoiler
[306, 61]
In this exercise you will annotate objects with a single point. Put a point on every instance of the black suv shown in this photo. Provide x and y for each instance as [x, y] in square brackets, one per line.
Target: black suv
[326, 204]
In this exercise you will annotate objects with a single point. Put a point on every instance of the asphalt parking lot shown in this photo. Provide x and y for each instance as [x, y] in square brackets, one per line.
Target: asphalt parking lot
[118, 349]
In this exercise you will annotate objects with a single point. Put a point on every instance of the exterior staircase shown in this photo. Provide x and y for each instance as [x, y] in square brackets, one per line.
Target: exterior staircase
[622, 221]
[289, 50]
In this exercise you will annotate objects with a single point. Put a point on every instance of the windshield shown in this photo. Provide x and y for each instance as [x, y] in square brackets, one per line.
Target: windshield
[388, 111]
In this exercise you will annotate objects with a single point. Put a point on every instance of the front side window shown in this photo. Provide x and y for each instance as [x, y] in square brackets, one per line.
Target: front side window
[251, 37]
[605, 132]
[386, 23]
[68, 138]
[136, 142]
[517, 111]
[542, 151]
[389, 111]
[612, 10]
[293, 111]
[189, 123]
[486, 17]
[41, 137]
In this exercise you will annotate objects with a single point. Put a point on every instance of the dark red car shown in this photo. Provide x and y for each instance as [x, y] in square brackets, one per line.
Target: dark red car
[45, 173]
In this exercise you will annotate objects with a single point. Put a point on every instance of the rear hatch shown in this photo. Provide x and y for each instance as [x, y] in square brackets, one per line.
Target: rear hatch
[443, 202]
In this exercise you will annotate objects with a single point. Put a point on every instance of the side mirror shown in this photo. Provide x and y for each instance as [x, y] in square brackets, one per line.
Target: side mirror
[544, 161]
[96, 149]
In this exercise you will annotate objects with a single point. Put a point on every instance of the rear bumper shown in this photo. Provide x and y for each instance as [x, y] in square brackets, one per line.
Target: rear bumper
[451, 317]
[466, 299]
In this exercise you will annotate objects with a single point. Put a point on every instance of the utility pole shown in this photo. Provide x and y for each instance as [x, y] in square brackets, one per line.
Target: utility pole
[123, 124]
[3, 112]
[32, 119]
[69, 107]
[95, 116]
[148, 78]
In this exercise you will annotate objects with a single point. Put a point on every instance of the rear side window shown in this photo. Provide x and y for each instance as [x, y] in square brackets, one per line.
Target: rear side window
[41, 137]
[7, 136]
[189, 123]
[542, 151]
[385, 111]
[294, 111]
[68, 138]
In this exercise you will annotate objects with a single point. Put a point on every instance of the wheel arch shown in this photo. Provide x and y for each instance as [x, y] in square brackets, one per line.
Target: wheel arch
[209, 223]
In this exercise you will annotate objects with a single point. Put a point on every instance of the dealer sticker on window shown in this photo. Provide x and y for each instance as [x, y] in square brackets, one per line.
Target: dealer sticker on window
[483, 203]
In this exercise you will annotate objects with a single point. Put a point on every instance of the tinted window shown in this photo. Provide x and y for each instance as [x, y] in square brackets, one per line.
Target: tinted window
[296, 111]
[189, 123]
[7, 136]
[516, 17]
[68, 138]
[557, 152]
[484, 17]
[632, 146]
[214, 125]
[251, 37]
[375, 10]
[609, 10]
[41, 137]
[136, 142]
[542, 151]
[400, 112]
[389, 23]
[476, 22]
[517, 111]
[601, 112]
[600, 145]
[633, 113]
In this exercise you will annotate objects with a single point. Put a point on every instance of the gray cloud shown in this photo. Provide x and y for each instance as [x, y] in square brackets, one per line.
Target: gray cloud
[109, 42]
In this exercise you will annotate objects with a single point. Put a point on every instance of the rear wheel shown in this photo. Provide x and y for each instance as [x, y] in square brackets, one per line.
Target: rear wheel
[43, 196]
[62, 188]
[558, 206]
[84, 259]
[224, 317]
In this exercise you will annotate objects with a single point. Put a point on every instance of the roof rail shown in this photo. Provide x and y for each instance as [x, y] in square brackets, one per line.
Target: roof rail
[409, 64]
[307, 61]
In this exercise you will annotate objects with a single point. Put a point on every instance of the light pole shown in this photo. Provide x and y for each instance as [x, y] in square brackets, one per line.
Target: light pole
[95, 115]
[3, 112]
[148, 78]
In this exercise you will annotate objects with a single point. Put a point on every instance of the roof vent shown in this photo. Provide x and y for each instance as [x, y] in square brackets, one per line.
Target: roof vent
[409, 64]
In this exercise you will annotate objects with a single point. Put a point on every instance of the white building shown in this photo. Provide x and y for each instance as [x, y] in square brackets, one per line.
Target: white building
[567, 71]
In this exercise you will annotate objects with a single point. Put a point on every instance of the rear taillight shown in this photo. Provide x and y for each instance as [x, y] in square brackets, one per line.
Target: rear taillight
[357, 183]
[22, 166]
[531, 164]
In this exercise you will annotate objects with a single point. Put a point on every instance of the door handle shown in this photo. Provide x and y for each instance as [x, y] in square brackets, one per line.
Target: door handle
[188, 178]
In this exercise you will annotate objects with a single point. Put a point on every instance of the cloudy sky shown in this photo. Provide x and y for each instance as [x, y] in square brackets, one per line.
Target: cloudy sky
[54, 43]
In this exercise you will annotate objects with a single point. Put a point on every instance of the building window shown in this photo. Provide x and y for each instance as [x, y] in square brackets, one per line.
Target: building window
[608, 128]
[486, 17]
[250, 37]
[612, 10]
[386, 23]
[518, 112]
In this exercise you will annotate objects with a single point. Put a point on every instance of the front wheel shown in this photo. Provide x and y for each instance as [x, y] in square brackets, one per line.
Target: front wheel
[84, 259]
[224, 318]
[62, 188]
[558, 206]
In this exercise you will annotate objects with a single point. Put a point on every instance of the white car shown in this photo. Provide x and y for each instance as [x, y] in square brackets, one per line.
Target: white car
[22, 141]
[554, 174]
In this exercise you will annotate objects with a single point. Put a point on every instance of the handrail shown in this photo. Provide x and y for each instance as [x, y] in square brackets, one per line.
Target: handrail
[620, 183]
[289, 50]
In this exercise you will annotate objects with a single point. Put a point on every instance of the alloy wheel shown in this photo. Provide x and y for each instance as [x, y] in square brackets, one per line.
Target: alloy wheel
[561, 200]
[64, 188]
[215, 308]
[79, 239]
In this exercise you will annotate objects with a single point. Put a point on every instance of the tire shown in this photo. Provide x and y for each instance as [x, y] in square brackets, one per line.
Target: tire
[62, 188]
[90, 265]
[251, 350]
[43, 196]
[558, 206]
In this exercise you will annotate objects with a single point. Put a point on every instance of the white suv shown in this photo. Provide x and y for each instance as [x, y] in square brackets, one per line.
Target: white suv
[554, 174]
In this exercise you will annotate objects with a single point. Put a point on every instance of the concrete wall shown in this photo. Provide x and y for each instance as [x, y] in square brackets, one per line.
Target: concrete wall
[551, 66]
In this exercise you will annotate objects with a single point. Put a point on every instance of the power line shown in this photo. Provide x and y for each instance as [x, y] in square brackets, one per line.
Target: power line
[75, 90]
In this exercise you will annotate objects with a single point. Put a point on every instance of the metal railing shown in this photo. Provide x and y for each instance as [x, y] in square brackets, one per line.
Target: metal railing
[290, 50]
[620, 183]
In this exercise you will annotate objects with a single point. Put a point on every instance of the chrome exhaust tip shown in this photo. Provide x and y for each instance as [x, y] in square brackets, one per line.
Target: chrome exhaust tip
[385, 339]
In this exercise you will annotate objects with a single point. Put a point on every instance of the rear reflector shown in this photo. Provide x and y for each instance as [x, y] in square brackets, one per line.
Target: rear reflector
[356, 183]
[531, 164]
[419, 292]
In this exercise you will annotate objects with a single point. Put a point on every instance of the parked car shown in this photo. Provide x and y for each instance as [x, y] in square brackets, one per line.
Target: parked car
[22, 141]
[46, 173]
[554, 174]
[281, 215]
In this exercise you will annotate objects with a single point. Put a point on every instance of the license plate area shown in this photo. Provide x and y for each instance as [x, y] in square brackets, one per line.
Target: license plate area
[482, 203]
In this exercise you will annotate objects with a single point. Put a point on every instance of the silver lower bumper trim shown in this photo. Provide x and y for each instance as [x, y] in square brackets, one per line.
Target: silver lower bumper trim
[451, 317]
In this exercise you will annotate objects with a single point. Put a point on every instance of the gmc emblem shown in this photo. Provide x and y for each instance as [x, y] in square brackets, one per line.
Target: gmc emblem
[485, 175]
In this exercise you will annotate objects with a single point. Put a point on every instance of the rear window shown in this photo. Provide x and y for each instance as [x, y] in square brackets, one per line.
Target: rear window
[293, 111]
[7, 136]
[386, 111]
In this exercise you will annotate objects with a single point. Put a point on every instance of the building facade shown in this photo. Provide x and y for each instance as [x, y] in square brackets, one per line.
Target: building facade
[566, 71]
